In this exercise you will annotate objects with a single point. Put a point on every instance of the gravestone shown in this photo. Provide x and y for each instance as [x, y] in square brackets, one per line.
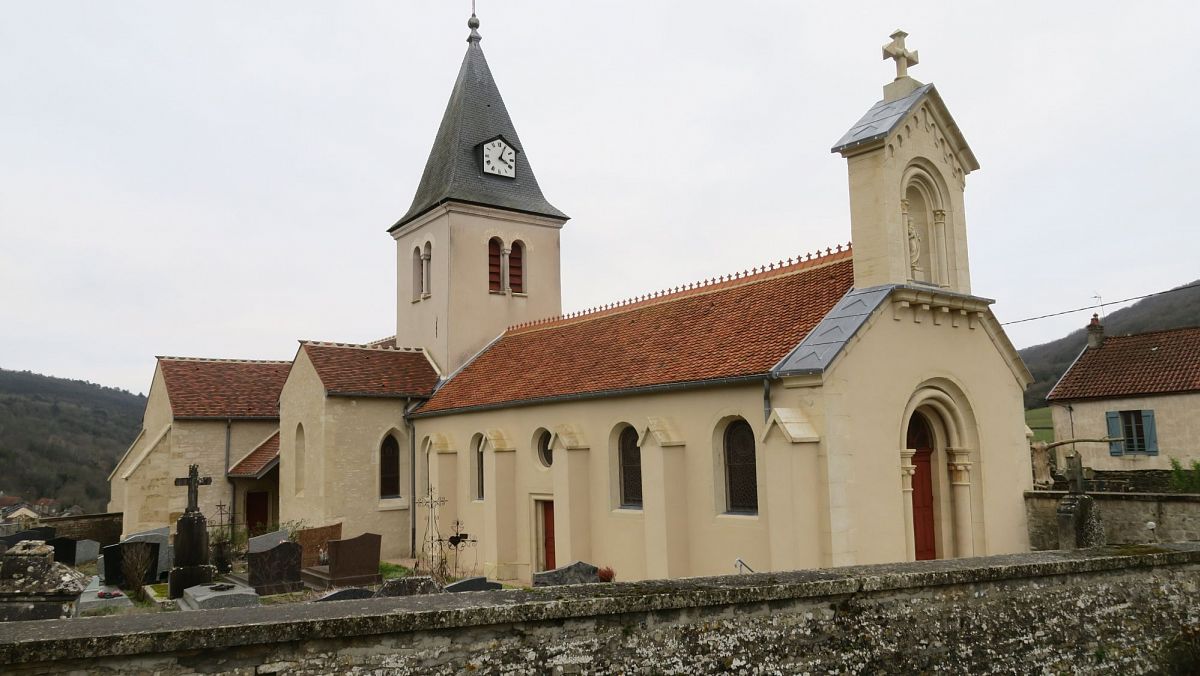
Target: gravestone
[1078, 515]
[159, 536]
[191, 541]
[264, 542]
[212, 596]
[354, 561]
[414, 585]
[348, 594]
[576, 573]
[313, 540]
[96, 595]
[64, 550]
[114, 557]
[471, 584]
[34, 587]
[276, 570]
[86, 551]
[41, 533]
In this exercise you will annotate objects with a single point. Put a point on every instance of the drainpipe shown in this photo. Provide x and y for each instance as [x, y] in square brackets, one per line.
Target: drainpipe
[232, 485]
[766, 399]
[412, 478]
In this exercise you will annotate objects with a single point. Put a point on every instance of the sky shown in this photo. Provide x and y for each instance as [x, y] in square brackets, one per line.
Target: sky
[216, 178]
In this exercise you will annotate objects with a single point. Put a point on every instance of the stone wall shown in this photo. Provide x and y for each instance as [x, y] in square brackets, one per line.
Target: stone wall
[103, 528]
[1124, 515]
[1108, 610]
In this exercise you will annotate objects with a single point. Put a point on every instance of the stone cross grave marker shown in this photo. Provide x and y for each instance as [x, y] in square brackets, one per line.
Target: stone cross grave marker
[194, 481]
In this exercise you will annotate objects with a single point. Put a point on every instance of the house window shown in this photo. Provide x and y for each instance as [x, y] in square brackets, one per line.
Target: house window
[477, 458]
[389, 468]
[1136, 432]
[741, 479]
[629, 460]
[495, 266]
[545, 453]
[516, 269]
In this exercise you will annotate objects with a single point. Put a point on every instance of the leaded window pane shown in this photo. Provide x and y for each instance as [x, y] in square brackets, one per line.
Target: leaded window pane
[741, 480]
[630, 468]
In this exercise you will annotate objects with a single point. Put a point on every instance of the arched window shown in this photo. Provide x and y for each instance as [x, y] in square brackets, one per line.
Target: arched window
[299, 477]
[427, 270]
[477, 462]
[545, 453]
[389, 468]
[516, 268]
[629, 459]
[495, 269]
[418, 274]
[741, 480]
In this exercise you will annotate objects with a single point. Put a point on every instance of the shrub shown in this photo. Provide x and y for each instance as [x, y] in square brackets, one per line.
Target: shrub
[606, 574]
[136, 559]
[1185, 480]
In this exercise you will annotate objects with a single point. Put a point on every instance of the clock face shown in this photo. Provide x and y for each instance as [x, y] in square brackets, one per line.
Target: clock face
[500, 159]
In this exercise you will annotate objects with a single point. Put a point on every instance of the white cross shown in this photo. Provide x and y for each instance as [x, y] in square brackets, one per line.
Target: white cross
[895, 50]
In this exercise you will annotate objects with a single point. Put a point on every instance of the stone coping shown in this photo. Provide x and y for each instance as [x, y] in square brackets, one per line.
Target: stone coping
[1113, 495]
[50, 640]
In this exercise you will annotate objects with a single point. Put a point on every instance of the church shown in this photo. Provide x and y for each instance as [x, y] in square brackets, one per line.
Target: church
[860, 404]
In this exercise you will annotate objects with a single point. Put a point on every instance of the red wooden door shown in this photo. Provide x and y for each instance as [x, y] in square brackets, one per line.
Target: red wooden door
[920, 438]
[548, 533]
[257, 512]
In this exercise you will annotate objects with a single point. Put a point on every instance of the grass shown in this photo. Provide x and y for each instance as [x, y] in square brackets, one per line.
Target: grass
[391, 571]
[160, 589]
[1038, 420]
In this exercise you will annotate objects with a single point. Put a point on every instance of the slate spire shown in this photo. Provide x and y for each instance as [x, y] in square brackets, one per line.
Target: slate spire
[475, 115]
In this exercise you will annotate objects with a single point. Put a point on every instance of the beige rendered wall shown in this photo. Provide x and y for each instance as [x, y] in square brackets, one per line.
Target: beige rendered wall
[142, 497]
[867, 393]
[302, 406]
[681, 531]
[460, 316]
[1176, 420]
[202, 442]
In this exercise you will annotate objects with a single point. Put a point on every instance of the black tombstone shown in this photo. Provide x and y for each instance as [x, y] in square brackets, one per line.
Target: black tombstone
[277, 570]
[64, 550]
[191, 540]
[113, 558]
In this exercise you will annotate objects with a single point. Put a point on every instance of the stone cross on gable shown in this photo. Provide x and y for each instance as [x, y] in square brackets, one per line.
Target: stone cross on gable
[896, 50]
[194, 481]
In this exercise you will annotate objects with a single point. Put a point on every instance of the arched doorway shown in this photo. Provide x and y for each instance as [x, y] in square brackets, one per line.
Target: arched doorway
[920, 440]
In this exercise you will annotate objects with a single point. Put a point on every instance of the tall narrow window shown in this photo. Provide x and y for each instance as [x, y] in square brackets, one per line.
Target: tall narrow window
[629, 459]
[494, 265]
[389, 468]
[427, 270]
[516, 268]
[299, 460]
[478, 457]
[741, 480]
[418, 274]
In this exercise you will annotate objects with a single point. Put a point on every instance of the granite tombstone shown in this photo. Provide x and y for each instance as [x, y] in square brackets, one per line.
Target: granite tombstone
[354, 561]
[160, 537]
[470, 584]
[114, 558]
[264, 542]
[576, 573]
[276, 570]
[414, 585]
[64, 550]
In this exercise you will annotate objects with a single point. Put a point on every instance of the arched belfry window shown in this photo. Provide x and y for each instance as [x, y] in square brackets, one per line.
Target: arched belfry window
[741, 478]
[629, 468]
[495, 265]
[516, 267]
[924, 216]
[389, 468]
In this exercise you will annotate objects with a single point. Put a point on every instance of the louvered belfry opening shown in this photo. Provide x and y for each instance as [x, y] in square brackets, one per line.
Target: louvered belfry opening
[630, 459]
[516, 269]
[494, 268]
[389, 468]
[741, 481]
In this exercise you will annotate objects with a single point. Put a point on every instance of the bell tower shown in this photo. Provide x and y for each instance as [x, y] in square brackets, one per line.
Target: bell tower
[478, 250]
[908, 163]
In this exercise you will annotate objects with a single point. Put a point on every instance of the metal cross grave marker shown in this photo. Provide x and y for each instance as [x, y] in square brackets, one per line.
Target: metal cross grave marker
[194, 481]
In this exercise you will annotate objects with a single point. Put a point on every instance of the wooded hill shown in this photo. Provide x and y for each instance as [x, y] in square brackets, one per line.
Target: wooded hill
[60, 438]
[1048, 361]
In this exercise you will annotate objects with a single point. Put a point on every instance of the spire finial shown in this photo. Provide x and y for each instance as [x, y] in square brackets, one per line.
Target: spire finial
[897, 51]
[473, 24]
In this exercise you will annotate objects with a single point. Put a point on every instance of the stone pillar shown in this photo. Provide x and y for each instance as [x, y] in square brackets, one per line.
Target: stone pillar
[960, 483]
[500, 512]
[664, 506]
[504, 251]
[941, 262]
[426, 274]
[572, 505]
[907, 470]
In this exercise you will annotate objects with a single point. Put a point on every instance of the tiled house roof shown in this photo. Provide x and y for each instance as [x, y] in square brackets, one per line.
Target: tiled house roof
[363, 370]
[1159, 362]
[223, 388]
[259, 461]
[732, 329]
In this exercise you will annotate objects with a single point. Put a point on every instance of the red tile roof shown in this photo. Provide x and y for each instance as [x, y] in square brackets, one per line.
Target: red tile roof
[363, 370]
[223, 388]
[730, 329]
[9, 500]
[254, 465]
[1159, 362]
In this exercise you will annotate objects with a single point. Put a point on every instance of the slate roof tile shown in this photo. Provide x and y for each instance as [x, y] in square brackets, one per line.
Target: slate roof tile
[1158, 362]
[223, 388]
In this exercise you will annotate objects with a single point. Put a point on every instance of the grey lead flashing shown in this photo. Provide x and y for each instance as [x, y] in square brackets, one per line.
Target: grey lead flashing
[879, 121]
[819, 348]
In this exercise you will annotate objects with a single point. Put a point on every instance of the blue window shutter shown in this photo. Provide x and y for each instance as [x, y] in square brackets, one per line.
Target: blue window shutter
[1150, 432]
[1114, 430]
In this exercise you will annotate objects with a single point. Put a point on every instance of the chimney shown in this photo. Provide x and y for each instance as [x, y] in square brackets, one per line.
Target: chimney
[1095, 332]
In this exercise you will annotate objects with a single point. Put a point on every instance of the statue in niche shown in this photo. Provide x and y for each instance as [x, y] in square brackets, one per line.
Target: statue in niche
[914, 240]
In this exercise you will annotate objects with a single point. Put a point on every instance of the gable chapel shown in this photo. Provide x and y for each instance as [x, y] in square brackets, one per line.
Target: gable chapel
[859, 405]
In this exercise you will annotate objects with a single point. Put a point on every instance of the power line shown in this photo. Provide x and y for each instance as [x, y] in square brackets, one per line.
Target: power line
[1092, 307]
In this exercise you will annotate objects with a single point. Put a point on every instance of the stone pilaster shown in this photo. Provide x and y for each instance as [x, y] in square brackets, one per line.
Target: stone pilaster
[664, 474]
[572, 501]
[500, 513]
[907, 471]
[960, 486]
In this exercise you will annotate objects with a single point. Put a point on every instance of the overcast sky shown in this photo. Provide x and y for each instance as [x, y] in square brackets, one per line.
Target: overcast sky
[217, 178]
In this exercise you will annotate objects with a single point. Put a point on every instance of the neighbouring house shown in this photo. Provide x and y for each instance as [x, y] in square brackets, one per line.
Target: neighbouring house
[1142, 389]
[861, 404]
[18, 511]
